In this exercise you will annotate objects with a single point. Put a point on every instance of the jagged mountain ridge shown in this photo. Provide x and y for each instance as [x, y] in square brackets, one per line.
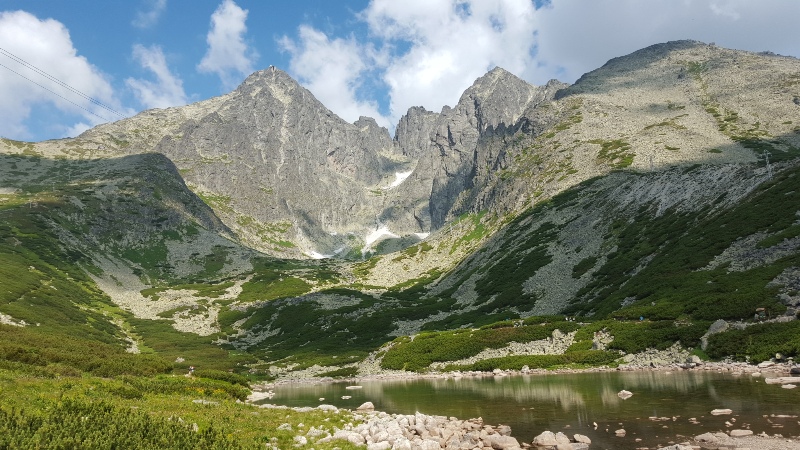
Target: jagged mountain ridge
[292, 178]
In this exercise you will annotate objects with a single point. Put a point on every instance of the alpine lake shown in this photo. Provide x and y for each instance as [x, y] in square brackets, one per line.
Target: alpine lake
[666, 407]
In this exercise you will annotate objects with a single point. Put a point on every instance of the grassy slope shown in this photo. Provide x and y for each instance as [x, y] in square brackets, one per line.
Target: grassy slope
[51, 369]
[39, 411]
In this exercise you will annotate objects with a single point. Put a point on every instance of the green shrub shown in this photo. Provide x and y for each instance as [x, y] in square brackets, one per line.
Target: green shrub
[429, 347]
[81, 424]
[63, 354]
[758, 342]
[583, 266]
[342, 372]
[634, 337]
[221, 375]
[173, 384]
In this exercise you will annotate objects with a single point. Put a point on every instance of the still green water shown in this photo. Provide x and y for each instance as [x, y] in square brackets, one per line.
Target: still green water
[572, 403]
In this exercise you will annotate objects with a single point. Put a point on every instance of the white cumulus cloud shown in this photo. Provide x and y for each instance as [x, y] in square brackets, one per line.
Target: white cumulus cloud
[574, 37]
[166, 91]
[228, 55]
[332, 69]
[150, 13]
[41, 68]
[430, 51]
[448, 44]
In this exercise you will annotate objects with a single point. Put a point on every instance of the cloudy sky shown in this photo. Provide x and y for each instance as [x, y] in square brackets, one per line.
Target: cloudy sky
[66, 66]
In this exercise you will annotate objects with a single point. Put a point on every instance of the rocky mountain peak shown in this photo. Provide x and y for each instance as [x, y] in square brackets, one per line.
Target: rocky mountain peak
[621, 65]
[291, 177]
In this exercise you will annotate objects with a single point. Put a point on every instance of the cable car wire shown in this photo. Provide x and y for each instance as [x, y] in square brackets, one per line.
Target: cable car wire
[41, 72]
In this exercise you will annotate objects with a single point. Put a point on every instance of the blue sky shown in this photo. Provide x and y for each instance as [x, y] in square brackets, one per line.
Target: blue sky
[359, 57]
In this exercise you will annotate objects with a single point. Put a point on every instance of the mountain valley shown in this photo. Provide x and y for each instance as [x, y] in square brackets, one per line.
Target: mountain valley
[258, 232]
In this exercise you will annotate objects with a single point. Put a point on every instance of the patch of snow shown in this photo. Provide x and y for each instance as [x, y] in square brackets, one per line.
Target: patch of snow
[399, 177]
[422, 236]
[381, 231]
[313, 254]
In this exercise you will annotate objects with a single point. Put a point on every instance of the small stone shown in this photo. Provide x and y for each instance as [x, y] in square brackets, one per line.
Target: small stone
[366, 406]
[562, 438]
[401, 444]
[740, 433]
[499, 442]
[789, 386]
[581, 439]
[384, 445]
[623, 394]
[620, 433]
[721, 412]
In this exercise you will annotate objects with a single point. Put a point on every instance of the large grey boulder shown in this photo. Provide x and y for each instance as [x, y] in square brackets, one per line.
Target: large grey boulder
[499, 442]
[545, 439]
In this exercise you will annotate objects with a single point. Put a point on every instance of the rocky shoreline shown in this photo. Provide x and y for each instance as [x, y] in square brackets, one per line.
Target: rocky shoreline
[645, 361]
[383, 431]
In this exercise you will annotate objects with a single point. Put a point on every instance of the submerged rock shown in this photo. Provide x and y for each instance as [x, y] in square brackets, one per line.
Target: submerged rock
[706, 438]
[581, 439]
[740, 433]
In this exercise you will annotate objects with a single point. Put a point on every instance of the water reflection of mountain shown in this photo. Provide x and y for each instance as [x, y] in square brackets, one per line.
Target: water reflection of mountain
[566, 390]
[574, 402]
[525, 389]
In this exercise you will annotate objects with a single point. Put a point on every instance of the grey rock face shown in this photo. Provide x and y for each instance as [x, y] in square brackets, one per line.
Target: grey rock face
[413, 133]
[451, 159]
[289, 176]
[281, 156]
[286, 173]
